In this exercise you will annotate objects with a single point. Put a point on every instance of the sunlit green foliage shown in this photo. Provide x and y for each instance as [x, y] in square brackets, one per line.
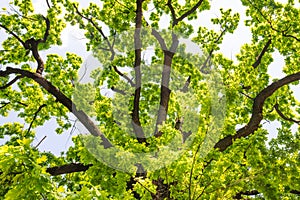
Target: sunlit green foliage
[195, 169]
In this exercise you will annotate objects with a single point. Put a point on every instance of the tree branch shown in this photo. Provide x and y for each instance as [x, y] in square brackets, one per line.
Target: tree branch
[63, 99]
[169, 4]
[118, 90]
[35, 116]
[247, 193]
[124, 76]
[46, 34]
[98, 29]
[262, 53]
[193, 9]
[283, 33]
[138, 130]
[68, 168]
[276, 106]
[13, 34]
[165, 80]
[4, 104]
[257, 109]
[11, 82]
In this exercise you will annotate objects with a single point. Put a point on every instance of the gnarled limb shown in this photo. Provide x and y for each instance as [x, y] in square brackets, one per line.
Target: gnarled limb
[257, 109]
[63, 99]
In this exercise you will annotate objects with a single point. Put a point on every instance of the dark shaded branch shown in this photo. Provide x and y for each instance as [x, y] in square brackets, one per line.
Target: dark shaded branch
[186, 85]
[48, 4]
[69, 168]
[184, 15]
[118, 91]
[46, 34]
[257, 109]
[13, 34]
[11, 82]
[247, 193]
[262, 53]
[32, 45]
[276, 106]
[36, 146]
[193, 9]
[35, 116]
[4, 104]
[124, 76]
[63, 99]
[169, 4]
[246, 95]
[138, 130]
[297, 192]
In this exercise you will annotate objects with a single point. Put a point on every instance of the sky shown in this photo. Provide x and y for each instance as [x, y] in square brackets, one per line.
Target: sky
[73, 41]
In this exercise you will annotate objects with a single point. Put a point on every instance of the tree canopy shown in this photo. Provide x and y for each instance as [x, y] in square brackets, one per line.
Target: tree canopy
[176, 121]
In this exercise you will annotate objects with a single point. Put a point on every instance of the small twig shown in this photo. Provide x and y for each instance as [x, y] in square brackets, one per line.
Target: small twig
[124, 76]
[35, 116]
[246, 95]
[40, 142]
[4, 104]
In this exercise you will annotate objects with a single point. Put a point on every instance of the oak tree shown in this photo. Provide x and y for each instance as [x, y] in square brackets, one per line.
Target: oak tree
[174, 124]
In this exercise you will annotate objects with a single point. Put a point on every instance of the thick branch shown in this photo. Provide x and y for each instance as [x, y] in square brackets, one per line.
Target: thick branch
[169, 4]
[63, 99]
[262, 53]
[257, 109]
[69, 168]
[165, 80]
[184, 15]
[138, 130]
[160, 40]
[276, 106]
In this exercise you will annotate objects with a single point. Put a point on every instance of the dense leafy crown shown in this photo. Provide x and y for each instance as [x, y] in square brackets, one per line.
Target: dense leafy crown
[162, 131]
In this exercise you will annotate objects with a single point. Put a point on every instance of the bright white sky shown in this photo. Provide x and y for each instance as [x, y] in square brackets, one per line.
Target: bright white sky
[73, 42]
